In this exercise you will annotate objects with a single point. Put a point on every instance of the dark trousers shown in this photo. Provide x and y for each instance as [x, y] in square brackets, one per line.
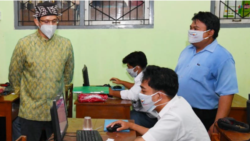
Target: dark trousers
[33, 129]
[207, 117]
[16, 129]
[3, 129]
[142, 119]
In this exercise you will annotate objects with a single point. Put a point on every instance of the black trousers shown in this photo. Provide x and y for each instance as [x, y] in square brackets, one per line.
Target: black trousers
[207, 117]
[33, 129]
[141, 118]
[3, 129]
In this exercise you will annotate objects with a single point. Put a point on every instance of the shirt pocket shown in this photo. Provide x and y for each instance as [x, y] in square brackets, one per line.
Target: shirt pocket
[199, 73]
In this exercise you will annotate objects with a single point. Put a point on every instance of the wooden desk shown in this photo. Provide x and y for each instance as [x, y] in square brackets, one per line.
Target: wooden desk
[75, 124]
[7, 112]
[111, 109]
[238, 112]
[225, 135]
[238, 109]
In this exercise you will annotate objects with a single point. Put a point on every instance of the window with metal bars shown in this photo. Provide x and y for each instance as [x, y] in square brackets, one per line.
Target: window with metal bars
[91, 14]
[232, 13]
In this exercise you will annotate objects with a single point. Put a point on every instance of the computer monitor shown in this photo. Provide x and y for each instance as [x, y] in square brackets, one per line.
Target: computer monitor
[85, 76]
[59, 118]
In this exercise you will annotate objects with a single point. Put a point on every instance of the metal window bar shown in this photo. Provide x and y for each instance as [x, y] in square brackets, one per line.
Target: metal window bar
[28, 8]
[119, 12]
[243, 16]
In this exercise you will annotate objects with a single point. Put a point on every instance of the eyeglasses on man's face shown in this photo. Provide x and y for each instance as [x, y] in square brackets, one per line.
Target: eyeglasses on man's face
[54, 22]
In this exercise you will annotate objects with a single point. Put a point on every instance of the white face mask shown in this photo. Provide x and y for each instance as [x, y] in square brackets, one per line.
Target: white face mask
[48, 30]
[148, 105]
[132, 73]
[195, 36]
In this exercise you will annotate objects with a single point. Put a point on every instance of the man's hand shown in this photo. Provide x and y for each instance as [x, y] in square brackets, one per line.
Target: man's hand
[224, 107]
[114, 93]
[116, 80]
[124, 125]
[212, 130]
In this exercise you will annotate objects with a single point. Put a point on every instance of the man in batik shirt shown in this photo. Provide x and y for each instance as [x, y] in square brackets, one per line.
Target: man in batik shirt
[41, 65]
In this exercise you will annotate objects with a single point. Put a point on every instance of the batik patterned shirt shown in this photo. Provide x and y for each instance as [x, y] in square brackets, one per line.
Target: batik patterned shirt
[38, 71]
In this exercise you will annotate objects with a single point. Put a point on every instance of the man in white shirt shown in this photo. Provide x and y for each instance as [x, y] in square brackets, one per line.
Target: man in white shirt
[177, 121]
[136, 62]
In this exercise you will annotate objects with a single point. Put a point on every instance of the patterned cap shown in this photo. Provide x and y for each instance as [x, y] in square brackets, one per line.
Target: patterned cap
[46, 9]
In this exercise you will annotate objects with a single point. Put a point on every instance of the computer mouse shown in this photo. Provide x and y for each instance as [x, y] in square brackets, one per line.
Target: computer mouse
[117, 87]
[114, 128]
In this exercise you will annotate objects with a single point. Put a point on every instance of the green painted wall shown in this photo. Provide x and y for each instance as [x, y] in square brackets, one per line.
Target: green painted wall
[103, 49]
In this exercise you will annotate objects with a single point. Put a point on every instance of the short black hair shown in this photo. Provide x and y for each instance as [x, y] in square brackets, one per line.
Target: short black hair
[161, 79]
[210, 20]
[136, 58]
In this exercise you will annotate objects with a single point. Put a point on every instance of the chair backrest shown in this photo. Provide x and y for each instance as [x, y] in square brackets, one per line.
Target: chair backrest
[69, 98]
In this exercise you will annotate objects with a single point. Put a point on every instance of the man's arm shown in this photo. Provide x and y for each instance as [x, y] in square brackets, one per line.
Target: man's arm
[224, 107]
[129, 125]
[16, 67]
[226, 84]
[69, 66]
[126, 84]
[139, 139]
[114, 93]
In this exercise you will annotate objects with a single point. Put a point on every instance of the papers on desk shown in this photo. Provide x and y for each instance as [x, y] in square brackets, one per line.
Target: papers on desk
[108, 121]
[91, 90]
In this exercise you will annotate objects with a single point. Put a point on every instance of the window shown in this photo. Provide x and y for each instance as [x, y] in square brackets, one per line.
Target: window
[91, 14]
[232, 13]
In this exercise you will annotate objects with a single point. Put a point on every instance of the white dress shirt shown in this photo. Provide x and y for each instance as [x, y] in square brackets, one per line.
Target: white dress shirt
[133, 92]
[177, 122]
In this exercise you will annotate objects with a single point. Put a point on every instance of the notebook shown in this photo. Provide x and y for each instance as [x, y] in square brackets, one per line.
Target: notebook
[91, 89]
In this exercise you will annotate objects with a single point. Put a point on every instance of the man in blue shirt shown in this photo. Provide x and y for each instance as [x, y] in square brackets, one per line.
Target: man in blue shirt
[206, 71]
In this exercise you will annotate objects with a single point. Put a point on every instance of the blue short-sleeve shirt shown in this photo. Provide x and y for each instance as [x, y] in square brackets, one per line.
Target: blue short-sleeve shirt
[206, 75]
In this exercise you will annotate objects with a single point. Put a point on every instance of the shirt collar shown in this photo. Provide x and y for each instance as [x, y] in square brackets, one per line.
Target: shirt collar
[139, 76]
[211, 47]
[168, 106]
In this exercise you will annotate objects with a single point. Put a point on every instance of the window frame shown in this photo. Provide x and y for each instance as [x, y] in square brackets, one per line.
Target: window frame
[228, 25]
[81, 24]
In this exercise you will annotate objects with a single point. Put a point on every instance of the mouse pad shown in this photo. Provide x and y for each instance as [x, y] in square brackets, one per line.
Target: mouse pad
[108, 121]
[122, 88]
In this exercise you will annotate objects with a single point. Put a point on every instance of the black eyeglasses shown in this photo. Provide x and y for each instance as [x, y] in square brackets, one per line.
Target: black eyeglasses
[49, 21]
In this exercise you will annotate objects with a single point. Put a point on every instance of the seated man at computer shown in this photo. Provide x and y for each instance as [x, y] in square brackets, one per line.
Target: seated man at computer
[177, 121]
[136, 62]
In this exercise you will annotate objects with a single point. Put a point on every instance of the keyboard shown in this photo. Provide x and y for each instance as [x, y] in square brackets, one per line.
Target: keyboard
[88, 135]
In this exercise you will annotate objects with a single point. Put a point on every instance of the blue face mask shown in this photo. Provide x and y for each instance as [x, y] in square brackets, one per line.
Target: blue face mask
[148, 105]
[131, 72]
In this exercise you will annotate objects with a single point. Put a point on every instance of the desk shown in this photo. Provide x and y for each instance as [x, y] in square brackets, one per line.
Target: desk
[111, 109]
[225, 135]
[238, 112]
[7, 112]
[238, 108]
[75, 124]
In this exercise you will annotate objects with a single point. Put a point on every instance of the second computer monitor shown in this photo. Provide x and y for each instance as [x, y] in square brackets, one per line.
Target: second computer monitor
[59, 118]
[85, 76]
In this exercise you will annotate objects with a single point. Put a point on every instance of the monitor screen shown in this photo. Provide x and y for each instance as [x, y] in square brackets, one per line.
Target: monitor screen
[59, 118]
[61, 114]
[85, 76]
